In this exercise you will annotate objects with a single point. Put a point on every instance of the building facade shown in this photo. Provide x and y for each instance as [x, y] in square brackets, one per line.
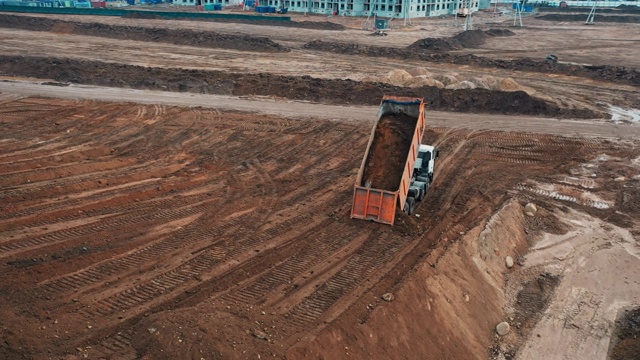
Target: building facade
[382, 8]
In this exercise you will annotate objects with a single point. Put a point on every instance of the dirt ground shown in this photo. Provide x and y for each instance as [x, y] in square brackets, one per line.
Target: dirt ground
[137, 229]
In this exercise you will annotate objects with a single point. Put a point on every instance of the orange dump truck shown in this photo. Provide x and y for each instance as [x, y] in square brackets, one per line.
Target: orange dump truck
[397, 170]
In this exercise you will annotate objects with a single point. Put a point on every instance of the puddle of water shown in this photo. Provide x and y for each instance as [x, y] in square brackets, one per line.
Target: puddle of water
[620, 114]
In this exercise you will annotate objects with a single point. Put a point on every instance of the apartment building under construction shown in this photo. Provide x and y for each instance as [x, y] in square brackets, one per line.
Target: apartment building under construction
[383, 8]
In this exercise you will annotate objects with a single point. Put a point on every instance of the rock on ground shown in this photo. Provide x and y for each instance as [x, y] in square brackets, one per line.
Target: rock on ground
[503, 328]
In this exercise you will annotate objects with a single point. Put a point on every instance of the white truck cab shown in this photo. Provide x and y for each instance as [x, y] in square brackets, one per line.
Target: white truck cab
[422, 176]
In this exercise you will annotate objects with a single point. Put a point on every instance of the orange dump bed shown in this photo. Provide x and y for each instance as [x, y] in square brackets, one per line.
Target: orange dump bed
[385, 175]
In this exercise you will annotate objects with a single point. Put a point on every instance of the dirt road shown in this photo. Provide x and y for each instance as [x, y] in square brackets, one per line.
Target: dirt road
[300, 110]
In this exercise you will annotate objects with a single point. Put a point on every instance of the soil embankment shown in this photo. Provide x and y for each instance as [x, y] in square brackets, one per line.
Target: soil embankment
[208, 39]
[331, 91]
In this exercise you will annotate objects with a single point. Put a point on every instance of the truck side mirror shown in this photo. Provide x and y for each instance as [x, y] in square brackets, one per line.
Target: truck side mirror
[437, 153]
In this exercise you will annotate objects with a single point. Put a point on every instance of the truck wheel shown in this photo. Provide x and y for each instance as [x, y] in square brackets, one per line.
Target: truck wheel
[410, 205]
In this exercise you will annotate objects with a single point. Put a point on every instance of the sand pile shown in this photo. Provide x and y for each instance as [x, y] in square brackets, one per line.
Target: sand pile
[447, 79]
[420, 71]
[461, 85]
[423, 80]
[508, 84]
[398, 77]
[419, 77]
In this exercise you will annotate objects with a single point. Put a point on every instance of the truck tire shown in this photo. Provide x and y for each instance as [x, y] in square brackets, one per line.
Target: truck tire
[410, 205]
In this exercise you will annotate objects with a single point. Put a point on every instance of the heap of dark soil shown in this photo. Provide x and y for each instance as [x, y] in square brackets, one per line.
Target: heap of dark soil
[500, 32]
[171, 36]
[316, 25]
[599, 18]
[330, 91]
[388, 153]
[465, 39]
[625, 342]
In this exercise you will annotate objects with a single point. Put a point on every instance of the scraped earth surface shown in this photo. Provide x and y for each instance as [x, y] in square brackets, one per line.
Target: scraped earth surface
[131, 220]
[161, 232]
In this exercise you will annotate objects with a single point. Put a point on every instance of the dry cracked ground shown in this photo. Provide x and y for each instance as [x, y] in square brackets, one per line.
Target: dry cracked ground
[163, 198]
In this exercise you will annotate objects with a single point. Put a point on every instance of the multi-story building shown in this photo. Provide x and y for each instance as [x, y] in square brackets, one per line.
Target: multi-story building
[382, 8]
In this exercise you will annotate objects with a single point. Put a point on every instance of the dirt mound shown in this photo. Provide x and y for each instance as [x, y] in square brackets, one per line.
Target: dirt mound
[419, 71]
[331, 91]
[171, 36]
[499, 32]
[465, 39]
[461, 85]
[471, 38]
[399, 77]
[437, 44]
[446, 79]
[388, 152]
[490, 81]
[423, 80]
[480, 83]
[508, 84]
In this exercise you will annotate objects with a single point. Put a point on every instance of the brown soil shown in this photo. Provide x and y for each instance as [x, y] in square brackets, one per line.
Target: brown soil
[532, 300]
[628, 198]
[170, 36]
[599, 72]
[599, 18]
[132, 230]
[625, 342]
[388, 153]
[622, 9]
[333, 91]
[530, 304]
